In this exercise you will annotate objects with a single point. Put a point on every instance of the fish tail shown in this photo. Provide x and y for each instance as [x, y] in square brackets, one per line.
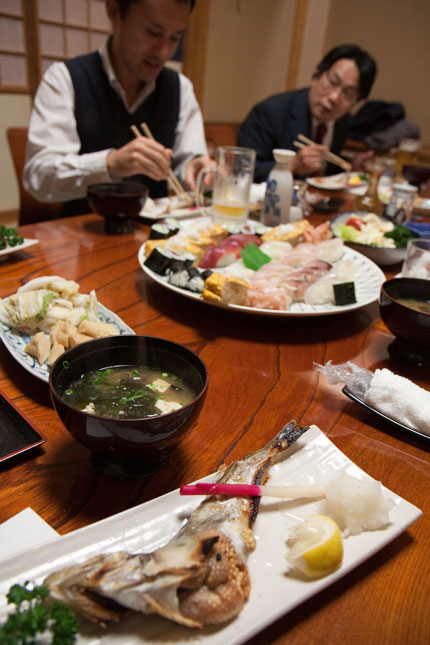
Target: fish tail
[288, 435]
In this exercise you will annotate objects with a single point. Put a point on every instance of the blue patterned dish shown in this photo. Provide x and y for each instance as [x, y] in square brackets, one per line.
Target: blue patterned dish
[15, 342]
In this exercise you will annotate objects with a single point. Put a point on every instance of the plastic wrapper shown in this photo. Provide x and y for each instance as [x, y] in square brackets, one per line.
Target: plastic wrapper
[356, 378]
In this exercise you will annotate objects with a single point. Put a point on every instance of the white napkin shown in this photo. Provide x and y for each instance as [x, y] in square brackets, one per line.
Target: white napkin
[23, 531]
[400, 399]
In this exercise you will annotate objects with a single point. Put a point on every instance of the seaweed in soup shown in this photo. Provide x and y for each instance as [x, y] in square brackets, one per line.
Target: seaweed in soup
[128, 392]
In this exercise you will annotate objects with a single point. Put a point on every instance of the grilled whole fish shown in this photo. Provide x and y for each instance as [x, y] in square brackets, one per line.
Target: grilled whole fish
[198, 578]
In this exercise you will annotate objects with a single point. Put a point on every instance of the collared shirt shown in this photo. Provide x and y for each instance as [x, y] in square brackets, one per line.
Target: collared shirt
[54, 169]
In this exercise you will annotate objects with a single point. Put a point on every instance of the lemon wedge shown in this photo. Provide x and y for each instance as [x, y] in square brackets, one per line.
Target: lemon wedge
[316, 546]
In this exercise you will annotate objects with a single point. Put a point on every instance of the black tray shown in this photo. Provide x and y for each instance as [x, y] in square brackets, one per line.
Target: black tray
[399, 426]
[17, 433]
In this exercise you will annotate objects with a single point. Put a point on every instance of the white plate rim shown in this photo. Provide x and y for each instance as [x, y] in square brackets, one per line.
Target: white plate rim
[19, 247]
[15, 341]
[151, 524]
[176, 213]
[374, 279]
[327, 184]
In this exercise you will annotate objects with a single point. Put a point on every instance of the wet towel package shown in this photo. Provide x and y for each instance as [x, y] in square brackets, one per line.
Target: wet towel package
[400, 399]
[395, 396]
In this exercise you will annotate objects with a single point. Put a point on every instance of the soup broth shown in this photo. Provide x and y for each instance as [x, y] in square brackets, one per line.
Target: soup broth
[416, 305]
[131, 392]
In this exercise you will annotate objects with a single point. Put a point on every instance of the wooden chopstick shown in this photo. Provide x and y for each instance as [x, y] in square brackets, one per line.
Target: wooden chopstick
[172, 180]
[299, 145]
[330, 156]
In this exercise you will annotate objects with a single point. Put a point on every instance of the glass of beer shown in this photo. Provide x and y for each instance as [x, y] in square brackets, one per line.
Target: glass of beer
[407, 153]
[233, 175]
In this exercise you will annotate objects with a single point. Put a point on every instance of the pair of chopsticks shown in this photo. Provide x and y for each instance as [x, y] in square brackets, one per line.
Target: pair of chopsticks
[329, 156]
[172, 180]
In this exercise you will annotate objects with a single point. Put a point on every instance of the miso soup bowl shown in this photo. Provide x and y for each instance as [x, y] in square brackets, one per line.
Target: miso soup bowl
[119, 203]
[128, 448]
[410, 327]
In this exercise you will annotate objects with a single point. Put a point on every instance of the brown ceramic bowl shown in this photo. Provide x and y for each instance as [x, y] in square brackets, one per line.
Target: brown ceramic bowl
[128, 448]
[411, 327]
[119, 203]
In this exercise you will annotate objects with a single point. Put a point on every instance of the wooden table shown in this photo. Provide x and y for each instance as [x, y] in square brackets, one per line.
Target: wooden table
[265, 366]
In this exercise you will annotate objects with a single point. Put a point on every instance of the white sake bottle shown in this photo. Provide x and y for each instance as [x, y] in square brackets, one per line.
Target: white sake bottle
[279, 190]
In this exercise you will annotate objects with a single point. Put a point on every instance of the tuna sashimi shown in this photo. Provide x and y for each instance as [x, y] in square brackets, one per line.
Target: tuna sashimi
[227, 251]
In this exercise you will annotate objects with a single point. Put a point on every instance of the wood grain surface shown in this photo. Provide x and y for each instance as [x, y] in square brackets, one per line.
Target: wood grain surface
[261, 376]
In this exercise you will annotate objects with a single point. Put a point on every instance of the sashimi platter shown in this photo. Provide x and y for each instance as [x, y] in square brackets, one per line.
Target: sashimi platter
[294, 269]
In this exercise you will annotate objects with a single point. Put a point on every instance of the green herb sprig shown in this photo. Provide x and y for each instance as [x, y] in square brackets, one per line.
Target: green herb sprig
[9, 237]
[34, 615]
[401, 236]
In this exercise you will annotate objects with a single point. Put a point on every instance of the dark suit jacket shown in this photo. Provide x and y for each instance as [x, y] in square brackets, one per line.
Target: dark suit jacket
[276, 122]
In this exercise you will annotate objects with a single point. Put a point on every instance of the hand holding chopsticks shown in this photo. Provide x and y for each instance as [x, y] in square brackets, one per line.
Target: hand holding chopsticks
[329, 156]
[172, 180]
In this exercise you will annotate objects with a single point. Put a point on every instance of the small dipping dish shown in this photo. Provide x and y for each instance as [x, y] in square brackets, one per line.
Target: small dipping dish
[119, 203]
[398, 302]
[122, 447]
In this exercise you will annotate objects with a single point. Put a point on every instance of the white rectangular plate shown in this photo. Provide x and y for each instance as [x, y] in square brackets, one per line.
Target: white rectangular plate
[19, 247]
[313, 459]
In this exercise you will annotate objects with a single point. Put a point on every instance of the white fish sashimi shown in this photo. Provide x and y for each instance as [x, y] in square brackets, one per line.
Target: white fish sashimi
[276, 249]
[331, 250]
[321, 292]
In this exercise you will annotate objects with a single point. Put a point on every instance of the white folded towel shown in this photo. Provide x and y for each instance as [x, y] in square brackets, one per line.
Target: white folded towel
[400, 399]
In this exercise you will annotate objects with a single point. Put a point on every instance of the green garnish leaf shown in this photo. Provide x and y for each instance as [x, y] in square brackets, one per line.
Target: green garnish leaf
[401, 236]
[253, 257]
[34, 615]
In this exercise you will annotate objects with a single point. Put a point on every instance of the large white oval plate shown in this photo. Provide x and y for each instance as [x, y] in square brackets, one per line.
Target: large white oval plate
[367, 290]
[15, 342]
[314, 459]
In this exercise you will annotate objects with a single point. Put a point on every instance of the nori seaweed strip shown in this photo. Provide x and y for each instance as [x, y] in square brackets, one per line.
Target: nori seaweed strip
[344, 293]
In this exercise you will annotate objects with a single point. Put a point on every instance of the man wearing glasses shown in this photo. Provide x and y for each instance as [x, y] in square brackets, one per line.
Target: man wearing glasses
[320, 112]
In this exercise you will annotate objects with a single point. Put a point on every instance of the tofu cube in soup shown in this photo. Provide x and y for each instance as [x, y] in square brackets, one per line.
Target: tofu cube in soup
[159, 385]
[167, 406]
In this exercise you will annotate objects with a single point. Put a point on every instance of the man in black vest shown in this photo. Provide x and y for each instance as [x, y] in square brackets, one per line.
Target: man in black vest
[80, 125]
[320, 112]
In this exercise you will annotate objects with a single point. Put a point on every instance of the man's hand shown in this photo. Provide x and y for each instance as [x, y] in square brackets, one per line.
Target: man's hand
[193, 168]
[309, 160]
[141, 156]
[363, 161]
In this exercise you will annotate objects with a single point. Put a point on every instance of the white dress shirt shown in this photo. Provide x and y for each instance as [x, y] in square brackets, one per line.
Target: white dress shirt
[54, 169]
